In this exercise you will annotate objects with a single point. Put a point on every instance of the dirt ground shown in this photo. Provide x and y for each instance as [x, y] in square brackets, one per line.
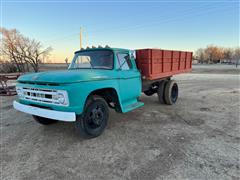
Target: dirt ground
[197, 138]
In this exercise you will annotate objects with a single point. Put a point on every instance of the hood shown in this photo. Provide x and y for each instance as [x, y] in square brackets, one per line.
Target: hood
[67, 76]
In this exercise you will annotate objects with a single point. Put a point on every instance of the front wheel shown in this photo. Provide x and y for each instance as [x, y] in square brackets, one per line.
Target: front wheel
[43, 120]
[94, 119]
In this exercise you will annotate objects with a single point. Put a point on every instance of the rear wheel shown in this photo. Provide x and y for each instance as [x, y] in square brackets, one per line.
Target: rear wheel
[94, 119]
[43, 120]
[160, 92]
[171, 92]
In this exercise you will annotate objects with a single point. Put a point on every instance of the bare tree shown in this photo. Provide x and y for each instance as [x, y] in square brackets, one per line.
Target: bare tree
[8, 47]
[213, 54]
[23, 51]
[228, 53]
[200, 55]
[34, 54]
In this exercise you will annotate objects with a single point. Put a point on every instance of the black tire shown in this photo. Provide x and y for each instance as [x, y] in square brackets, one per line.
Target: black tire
[160, 92]
[171, 92]
[94, 119]
[149, 92]
[44, 121]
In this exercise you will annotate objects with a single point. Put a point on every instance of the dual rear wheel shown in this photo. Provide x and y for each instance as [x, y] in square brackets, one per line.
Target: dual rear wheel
[167, 92]
[171, 92]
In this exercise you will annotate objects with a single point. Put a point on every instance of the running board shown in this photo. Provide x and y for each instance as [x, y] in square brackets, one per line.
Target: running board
[131, 106]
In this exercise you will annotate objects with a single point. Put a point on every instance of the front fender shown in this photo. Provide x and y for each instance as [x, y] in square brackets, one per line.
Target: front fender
[80, 91]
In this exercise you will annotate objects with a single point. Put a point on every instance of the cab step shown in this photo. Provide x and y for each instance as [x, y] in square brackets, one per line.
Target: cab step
[131, 106]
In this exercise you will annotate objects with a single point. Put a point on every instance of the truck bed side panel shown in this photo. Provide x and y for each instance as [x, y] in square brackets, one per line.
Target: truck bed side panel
[157, 63]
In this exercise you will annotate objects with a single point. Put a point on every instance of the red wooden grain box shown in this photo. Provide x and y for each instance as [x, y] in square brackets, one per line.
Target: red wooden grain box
[158, 63]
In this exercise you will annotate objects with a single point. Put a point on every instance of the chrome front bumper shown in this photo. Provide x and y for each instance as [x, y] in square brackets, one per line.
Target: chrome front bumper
[51, 114]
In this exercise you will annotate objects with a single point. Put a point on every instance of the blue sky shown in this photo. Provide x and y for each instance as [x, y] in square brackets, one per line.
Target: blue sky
[183, 25]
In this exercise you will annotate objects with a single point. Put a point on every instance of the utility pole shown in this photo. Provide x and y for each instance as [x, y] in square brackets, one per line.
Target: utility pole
[86, 40]
[80, 37]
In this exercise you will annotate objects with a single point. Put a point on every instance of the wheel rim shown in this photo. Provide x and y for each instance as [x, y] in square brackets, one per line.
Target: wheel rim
[96, 116]
[174, 93]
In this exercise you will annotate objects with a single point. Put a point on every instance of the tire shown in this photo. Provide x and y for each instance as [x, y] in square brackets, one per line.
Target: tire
[160, 92]
[43, 120]
[171, 92]
[149, 92]
[94, 119]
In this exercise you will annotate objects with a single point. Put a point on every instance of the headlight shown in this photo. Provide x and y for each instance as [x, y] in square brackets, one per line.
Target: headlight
[61, 97]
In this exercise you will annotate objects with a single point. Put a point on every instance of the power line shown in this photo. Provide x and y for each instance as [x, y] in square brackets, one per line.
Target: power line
[176, 19]
[63, 38]
[119, 27]
[185, 13]
[165, 20]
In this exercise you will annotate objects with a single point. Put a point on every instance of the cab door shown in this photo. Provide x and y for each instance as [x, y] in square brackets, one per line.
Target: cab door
[129, 78]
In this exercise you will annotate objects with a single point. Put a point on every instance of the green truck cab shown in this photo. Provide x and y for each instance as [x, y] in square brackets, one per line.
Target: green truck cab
[99, 79]
[96, 79]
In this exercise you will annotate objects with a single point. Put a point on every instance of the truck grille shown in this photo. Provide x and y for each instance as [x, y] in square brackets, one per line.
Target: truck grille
[40, 95]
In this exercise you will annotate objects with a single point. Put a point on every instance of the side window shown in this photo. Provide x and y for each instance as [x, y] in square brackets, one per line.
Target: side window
[124, 61]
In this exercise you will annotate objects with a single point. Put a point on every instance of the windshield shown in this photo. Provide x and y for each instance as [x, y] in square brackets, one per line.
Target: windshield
[99, 59]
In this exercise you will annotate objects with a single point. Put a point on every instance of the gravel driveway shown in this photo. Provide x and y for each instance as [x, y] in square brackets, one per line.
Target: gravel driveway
[198, 138]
